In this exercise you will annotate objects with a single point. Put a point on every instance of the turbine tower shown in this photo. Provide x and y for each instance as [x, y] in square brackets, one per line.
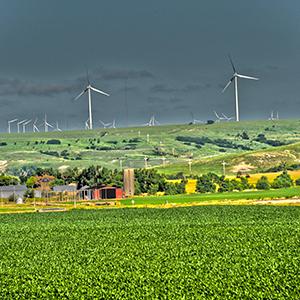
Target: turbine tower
[88, 89]
[234, 78]
[9, 124]
[24, 125]
[46, 124]
[57, 128]
[35, 127]
[20, 123]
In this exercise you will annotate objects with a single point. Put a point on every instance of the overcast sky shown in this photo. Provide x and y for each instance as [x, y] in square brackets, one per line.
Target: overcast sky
[166, 57]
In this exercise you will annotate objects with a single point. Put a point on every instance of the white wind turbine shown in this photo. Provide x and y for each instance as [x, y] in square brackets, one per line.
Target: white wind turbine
[235, 79]
[35, 127]
[86, 124]
[105, 125]
[88, 89]
[9, 124]
[25, 124]
[57, 128]
[20, 123]
[46, 124]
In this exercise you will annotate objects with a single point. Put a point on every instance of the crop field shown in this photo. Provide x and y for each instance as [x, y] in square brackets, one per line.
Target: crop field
[208, 145]
[227, 252]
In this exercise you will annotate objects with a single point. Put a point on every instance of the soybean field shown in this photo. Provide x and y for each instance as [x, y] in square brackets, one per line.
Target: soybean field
[215, 252]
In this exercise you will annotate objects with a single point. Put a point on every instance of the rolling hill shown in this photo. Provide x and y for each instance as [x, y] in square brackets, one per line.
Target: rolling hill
[250, 146]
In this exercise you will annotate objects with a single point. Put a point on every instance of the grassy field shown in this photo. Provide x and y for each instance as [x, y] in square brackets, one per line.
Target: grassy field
[184, 253]
[108, 147]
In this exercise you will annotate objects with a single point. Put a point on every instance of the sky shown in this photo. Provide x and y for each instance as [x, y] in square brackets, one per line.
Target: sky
[167, 58]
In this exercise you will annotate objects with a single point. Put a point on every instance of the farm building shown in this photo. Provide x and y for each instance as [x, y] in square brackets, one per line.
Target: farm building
[108, 193]
[10, 190]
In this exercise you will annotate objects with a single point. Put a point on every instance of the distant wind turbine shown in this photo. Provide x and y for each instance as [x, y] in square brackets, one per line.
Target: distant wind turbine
[35, 127]
[88, 89]
[20, 123]
[152, 122]
[235, 79]
[57, 128]
[46, 124]
[9, 124]
[105, 125]
[25, 124]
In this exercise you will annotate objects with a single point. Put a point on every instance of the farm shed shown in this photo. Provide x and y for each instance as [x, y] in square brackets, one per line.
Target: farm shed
[108, 193]
[9, 190]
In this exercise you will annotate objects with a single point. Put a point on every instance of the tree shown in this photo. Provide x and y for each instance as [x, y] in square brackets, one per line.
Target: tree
[32, 182]
[283, 180]
[205, 184]
[263, 183]
[8, 180]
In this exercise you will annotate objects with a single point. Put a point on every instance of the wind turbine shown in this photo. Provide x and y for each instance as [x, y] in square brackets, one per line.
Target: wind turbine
[46, 124]
[34, 126]
[152, 122]
[234, 78]
[113, 124]
[88, 89]
[57, 128]
[226, 118]
[24, 125]
[9, 124]
[20, 123]
[105, 125]
[87, 124]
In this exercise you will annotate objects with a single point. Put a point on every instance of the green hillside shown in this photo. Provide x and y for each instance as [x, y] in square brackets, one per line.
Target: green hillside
[254, 145]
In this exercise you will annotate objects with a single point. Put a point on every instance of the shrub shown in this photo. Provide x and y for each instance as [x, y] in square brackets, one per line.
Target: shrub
[205, 184]
[263, 183]
[53, 142]
[283, 180]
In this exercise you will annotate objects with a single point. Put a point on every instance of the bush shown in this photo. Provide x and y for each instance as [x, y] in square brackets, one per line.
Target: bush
[263, 183]
[205, 184]
[3, 144]
[284, 180]
[53, 142]
[29, 194]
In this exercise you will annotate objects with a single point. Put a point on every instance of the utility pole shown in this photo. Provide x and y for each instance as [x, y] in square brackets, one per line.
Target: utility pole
[121, 164]
[190, 165]
[148, 137]
[146, 162]
[163, 161]
[224, 167]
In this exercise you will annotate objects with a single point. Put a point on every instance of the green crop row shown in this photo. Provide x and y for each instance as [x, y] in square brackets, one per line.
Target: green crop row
[226, 252]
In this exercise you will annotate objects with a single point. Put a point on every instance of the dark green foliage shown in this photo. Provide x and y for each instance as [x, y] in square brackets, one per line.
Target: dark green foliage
[53, 142]
[206, 140]
[283, 180]
[206, 184]
[149, 181]
[175, 188]
[261, 138]
[3, 144]
[263, 183]
[8, 180]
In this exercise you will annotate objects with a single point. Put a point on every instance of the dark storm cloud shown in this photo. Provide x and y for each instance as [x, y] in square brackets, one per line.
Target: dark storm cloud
[189, 88]
[25, 88]
[167, 54]
[124, 74]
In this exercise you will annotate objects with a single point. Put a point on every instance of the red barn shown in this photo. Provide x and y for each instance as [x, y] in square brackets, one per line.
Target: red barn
[108, 193]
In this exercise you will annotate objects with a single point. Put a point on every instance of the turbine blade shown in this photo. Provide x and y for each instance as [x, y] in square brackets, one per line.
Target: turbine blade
[232, 64]
[227, 85]
[247, 77]
[77, 97]
[98, 91]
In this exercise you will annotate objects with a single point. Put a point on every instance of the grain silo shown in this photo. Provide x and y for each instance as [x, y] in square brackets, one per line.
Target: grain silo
[128, 181]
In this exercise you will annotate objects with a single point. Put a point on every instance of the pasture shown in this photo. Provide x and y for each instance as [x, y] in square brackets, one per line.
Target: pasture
[208, 145]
